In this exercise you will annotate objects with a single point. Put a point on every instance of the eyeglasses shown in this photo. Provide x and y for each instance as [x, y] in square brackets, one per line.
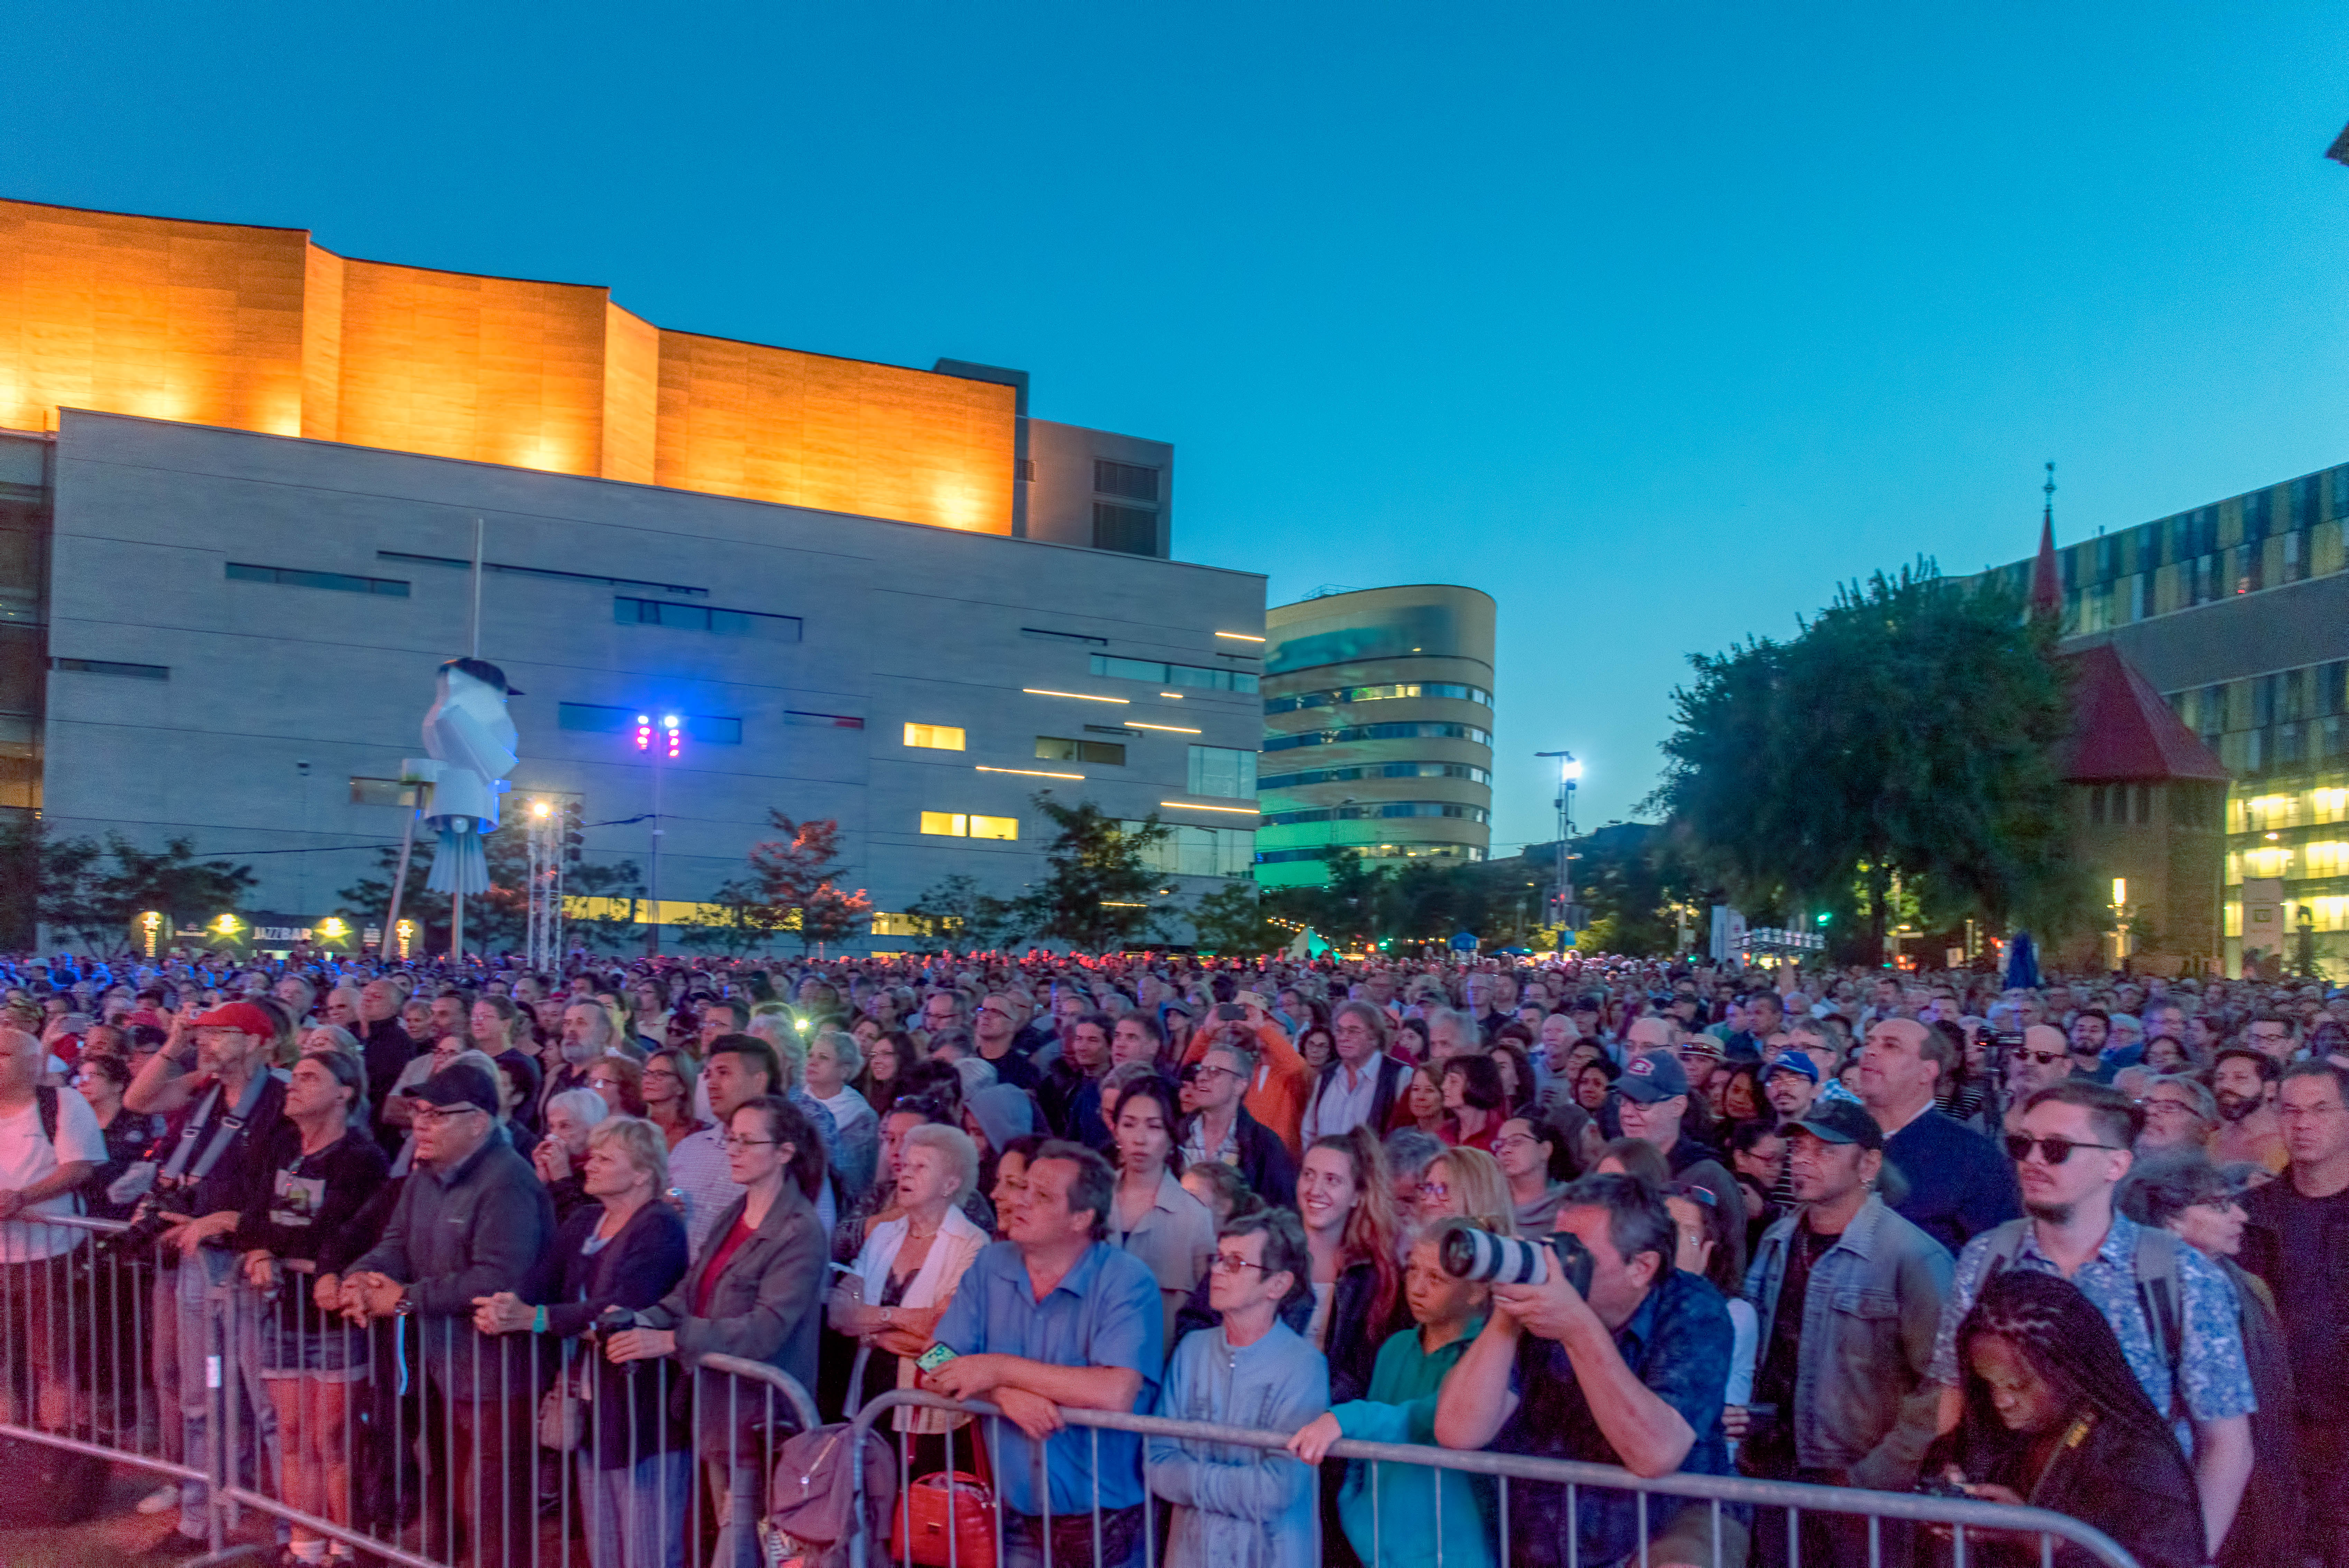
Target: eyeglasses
[2053, 1150]
[2041, 1057]
[1231, 1263]
[1200, 1072]
[435, 1116]
[1439, 1190]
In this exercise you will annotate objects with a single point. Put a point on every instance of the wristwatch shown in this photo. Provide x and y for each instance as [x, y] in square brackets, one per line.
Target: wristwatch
[403, 1306]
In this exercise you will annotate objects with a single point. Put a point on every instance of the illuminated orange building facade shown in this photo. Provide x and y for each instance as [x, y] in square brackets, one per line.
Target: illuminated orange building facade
[260, 329]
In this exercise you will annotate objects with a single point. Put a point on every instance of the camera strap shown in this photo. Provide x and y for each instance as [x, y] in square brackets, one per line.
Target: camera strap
[175, 1170]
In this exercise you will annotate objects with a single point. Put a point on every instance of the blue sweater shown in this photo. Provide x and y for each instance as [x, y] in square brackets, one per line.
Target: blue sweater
[1240, 1508]
[1960, 1184]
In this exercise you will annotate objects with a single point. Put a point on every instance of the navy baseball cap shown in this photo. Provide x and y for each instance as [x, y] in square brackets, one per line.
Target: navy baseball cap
[1652, 1076]
[1796, 1062]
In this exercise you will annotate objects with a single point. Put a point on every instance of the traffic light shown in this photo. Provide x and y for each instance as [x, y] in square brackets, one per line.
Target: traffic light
[1825, 916]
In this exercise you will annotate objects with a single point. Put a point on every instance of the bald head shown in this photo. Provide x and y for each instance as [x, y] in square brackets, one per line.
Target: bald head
[1648, 1034]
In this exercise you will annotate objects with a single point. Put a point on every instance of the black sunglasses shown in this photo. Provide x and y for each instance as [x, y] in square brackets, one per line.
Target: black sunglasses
[2053, 1150]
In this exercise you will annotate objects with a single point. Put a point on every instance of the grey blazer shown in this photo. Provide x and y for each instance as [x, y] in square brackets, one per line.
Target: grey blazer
[764, 1307]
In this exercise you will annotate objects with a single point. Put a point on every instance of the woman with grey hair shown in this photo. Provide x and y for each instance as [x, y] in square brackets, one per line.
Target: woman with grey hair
[2202, 1205]
[571, 1117]
[908, 1271]
[834, 1062]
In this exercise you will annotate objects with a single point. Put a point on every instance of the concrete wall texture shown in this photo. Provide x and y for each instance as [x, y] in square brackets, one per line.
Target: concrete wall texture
[897, 624]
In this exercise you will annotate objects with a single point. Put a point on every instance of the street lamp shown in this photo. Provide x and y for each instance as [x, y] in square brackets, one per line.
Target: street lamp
[1569, 772]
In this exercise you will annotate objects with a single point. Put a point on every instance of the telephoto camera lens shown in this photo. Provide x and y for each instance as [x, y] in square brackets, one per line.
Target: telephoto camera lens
[1480, 1255]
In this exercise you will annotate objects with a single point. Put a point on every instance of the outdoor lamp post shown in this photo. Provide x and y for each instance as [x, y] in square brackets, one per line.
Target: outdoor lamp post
[1569, 772]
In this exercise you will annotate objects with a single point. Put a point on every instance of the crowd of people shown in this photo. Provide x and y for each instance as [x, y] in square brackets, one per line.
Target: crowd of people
[2084, 1246]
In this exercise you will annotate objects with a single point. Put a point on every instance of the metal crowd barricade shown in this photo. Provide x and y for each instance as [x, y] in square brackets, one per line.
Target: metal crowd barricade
[412, 1441]
[1715, 1494]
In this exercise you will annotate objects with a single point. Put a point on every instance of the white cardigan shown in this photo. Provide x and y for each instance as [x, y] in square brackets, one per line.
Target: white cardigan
[958, 1242]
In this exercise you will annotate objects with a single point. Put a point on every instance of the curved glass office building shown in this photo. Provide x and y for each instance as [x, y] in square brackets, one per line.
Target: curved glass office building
[1378, 720]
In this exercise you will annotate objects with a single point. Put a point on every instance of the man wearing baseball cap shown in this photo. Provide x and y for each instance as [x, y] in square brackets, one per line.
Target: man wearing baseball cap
[472, 1220]
[213, 1080]
[1791, 1083]
[1840, 1398]
[1654, 1093]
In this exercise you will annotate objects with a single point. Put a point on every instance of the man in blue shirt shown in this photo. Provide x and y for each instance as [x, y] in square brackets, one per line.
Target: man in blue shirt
[1056, 1317]
[1631, 1374]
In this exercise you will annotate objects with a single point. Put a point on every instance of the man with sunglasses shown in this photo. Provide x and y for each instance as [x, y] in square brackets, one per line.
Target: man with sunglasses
[2173, 1311]
[997, 1028]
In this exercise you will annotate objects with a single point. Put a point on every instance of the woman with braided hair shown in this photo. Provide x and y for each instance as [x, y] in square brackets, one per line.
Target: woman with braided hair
[2054, 1419]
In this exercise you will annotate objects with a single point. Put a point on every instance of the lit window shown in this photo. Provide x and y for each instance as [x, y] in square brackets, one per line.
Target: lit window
[936, 737]
[958, 825]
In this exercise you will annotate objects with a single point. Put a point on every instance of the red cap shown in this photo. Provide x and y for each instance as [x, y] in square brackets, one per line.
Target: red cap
[241, 1016]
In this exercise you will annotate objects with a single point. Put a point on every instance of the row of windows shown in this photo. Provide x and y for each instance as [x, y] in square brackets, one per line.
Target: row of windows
[966, 825]
[1380, 732]
[1132, 481]
[1150, 670]
[1062, 749]
[1336, 695]
[704, 617]
[1379, 852]
[2122, 804]
[1224, 771]
[1381, 771]
[1373, 810]
[2266, 813]
[1188, 851]
[2293, 862]
[2253, 704]
[294, 577]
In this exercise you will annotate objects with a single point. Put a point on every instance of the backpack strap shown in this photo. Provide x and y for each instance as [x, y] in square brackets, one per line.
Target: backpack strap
[2005, 1246]
[2162, 1296]
[46, 1096]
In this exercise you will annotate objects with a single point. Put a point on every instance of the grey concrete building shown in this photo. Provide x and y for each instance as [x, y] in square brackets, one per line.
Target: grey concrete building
[231, 636]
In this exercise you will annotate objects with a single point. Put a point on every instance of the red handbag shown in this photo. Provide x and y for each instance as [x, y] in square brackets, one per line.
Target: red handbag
[945, 1517]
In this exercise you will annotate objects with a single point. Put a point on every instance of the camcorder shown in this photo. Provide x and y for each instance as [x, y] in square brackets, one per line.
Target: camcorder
[1488, 1258]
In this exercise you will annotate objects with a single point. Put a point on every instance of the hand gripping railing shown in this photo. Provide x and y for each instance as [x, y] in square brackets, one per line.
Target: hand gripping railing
[1715, 1493]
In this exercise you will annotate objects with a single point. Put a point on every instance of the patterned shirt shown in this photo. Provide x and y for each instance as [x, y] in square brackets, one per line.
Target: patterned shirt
[2217, 1380]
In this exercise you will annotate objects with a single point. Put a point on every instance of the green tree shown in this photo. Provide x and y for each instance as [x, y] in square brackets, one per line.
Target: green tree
[1098, 888]
[618, 886]
[1631, 878]
[1907, 736]
[1233, 920]
[96, 890]
[957, 912]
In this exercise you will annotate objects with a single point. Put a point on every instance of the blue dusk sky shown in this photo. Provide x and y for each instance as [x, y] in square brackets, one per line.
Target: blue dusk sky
[1653, 321]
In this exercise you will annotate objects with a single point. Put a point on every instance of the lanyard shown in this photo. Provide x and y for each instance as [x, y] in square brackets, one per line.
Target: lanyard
[231, 1125]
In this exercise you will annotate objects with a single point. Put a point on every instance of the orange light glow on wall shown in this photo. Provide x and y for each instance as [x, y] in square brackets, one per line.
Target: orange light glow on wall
[259, 330]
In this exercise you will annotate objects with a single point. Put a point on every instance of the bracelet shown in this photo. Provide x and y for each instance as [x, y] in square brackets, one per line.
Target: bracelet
[538, 1321]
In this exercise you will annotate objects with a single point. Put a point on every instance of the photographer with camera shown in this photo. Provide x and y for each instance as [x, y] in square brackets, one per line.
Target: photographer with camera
[1607, 1355]
[214, 1084]
[1850, 1295]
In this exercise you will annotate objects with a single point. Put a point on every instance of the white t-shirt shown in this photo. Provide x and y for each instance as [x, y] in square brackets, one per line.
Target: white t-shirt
[27, 1157]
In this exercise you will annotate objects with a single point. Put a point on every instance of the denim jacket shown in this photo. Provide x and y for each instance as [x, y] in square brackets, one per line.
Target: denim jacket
[1863, 1401]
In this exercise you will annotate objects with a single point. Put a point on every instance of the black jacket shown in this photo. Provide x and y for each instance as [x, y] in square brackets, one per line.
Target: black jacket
[1353, 1341]
[630, 1417]
[2133, 1485]
[1263, 1159]
[479, 1229]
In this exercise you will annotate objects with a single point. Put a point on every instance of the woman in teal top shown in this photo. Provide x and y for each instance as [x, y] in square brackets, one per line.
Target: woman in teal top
[1397, 1522]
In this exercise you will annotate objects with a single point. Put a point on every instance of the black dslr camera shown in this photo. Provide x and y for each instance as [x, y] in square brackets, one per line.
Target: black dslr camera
[1481, 1256]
